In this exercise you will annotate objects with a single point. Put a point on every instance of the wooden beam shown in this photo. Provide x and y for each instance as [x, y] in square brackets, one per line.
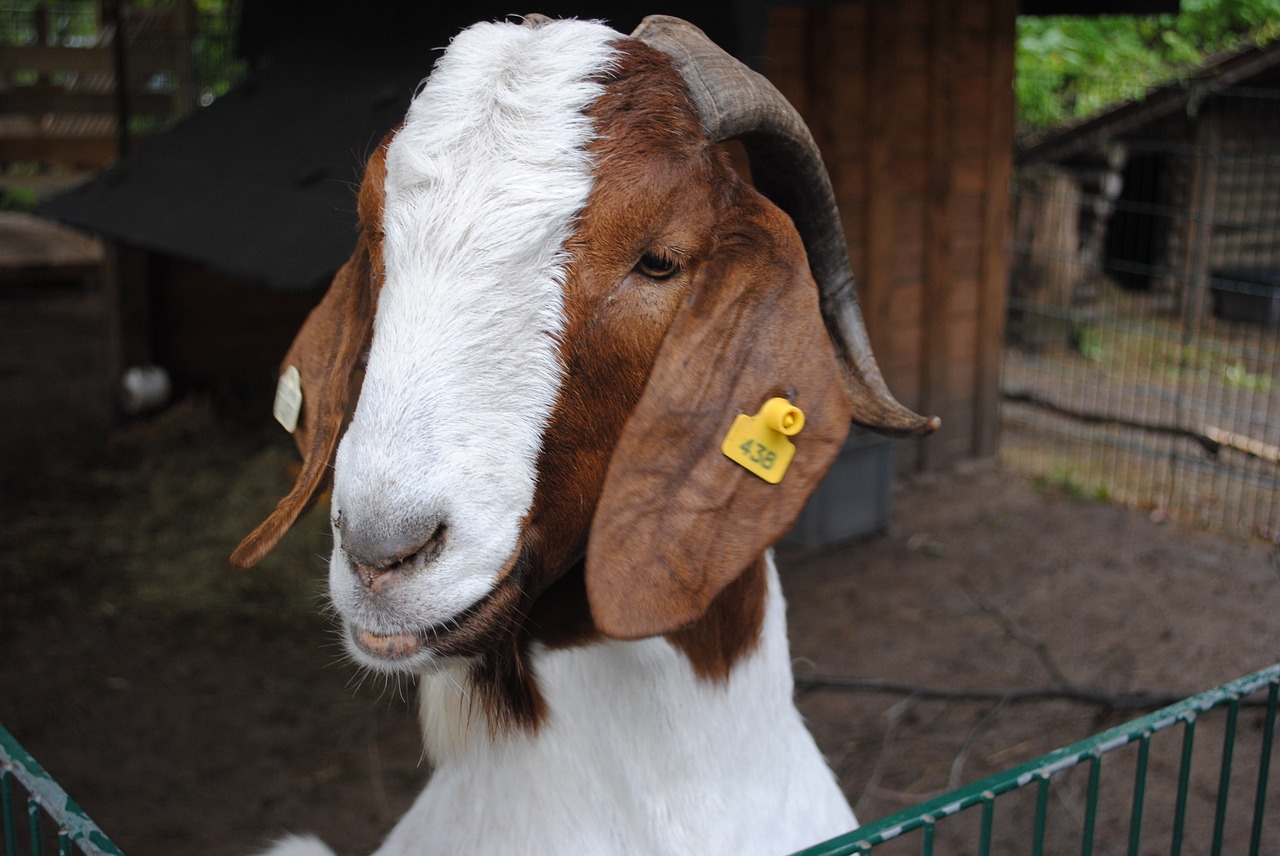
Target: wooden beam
[1197, 230]
[85, 151]
[939, 222]
[46, 59]
[40, 101]
[994, 281]
[876, 286]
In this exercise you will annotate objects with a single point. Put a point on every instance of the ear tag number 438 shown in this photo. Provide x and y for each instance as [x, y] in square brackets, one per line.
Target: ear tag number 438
[760, 443]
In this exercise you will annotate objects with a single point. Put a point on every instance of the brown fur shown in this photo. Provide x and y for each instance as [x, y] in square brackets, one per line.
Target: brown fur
[678, 521]
[730, 628]
[654, 370]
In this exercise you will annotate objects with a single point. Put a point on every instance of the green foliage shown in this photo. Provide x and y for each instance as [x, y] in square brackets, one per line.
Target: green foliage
[1089, 342]
[18, 199]
[1072, 67]
[1064, 478]
[1237, 375]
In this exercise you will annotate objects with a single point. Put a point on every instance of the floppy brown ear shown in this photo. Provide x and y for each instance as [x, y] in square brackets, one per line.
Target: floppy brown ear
[326, 352]
[677, 520]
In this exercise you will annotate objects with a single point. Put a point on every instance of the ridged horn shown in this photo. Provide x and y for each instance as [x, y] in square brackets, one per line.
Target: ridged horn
[737, 103]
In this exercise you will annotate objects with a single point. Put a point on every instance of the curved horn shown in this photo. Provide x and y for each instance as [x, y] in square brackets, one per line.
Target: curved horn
[737, 103]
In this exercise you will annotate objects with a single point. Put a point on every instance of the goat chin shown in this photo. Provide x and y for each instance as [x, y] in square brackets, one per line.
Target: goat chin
[299, 845]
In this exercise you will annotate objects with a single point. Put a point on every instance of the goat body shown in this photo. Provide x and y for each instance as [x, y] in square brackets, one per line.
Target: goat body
[561, 297]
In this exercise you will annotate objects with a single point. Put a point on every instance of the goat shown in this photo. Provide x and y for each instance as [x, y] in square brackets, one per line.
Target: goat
[561, 297]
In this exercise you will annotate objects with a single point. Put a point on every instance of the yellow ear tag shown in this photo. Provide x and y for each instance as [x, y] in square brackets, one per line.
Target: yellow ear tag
[760, 442]
[288, 402]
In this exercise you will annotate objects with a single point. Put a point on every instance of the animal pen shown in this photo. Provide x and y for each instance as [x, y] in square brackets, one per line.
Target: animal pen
[1180, 776]
[1144, 305]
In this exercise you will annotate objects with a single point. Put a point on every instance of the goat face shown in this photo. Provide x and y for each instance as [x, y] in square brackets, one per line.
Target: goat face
[574, 295]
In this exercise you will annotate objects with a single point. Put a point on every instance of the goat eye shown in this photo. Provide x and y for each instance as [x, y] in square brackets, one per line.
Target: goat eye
[658, 264]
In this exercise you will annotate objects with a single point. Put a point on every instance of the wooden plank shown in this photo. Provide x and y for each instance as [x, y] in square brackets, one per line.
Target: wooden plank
[915, 13]
[46, 59]
[1198, 229]
[32, 248]
[962, 349]
[78, 151]
[849, 22]
[964, 300]
[41, 101]
[783, 63]
[966, 260]
[822, 116]
[851, 98]
[996, 226]
[910, 239]
[938, 221]
[969, 47]
[876, 288]
[969, 170]
[910, 93]
[985, 17]
[907, 306]
[913, 57]
[143, 60]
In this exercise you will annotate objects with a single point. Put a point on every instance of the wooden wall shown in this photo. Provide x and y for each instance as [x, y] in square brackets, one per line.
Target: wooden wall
[911, 102]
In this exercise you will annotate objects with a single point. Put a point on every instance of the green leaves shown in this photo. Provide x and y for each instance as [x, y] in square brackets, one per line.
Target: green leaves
[1070, 68]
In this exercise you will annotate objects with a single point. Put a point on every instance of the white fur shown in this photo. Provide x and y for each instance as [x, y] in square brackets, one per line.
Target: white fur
[299, 845]
[484, 181]
[637, 754]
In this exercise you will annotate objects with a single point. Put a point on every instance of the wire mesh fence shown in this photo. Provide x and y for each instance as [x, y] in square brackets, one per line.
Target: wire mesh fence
[1142, 362]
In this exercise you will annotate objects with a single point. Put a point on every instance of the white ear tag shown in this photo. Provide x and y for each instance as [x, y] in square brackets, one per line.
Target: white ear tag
[288, 402]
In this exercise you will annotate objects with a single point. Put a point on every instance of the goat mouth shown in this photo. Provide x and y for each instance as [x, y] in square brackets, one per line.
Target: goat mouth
[465, 634]
[438, 640]
[396, 646]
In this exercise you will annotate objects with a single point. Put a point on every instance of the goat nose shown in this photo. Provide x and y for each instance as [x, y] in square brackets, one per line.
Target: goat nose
[381, 557]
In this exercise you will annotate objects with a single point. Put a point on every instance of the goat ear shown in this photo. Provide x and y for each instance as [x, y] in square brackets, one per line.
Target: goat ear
[677, 520]
[326, 353]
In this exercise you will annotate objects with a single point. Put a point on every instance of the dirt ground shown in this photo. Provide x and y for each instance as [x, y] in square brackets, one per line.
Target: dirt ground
[192, 708]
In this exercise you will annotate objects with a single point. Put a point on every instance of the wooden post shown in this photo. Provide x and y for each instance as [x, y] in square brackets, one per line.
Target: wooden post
[935, 339]
[994, 276]
[876, 287]
[126, 283]
[1197, 248]
[120, 70]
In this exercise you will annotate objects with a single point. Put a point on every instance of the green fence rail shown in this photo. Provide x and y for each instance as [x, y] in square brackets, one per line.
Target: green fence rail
[1038, 774]
[75, 831]
[19, 772]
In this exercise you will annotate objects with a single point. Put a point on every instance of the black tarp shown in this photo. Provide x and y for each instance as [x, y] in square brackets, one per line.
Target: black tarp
[261, 184]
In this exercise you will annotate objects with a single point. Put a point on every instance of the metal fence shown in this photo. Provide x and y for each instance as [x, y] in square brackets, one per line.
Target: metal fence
[1149, 786]
[1157, 792]
[53, 820]
[1143, 363]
